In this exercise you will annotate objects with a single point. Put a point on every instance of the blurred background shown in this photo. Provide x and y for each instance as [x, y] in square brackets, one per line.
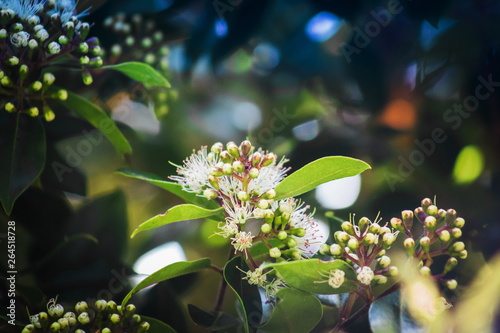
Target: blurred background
[411, 87]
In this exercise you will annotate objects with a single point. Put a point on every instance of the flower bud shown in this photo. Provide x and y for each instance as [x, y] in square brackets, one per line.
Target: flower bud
[101, 305]
[336, 250]
[209, 194]
[233, 149]
[432, 210]
[83, 318]
[6, 82]
[226, 157]
[81, 307]
[426, 203]
[254, 173]
[397, 224]
[458, 246]
[55, 310]
[282, 235]
[348, 227]
[462, 254]
[441, 214]
[63, 322]
[268, 159]
[425, 271]
[115, 318]
[430, 223]
[12, 61]
[3, 33]
[256, 159]
[217, 148]
[451, 284]
[30, 328]
[363, 224]
[214, 181]
[63, 40]
[459, 222]
[450, 216]
[245, 148]
[106, 330]
[425, 243]
[380, 279]
[409, 244]
[420, 214]
[324, 249]
[238, 166]
[353, 244]
[265, 228]
[341, 237]
[456, 233]
[54, 327]
[48, 79]
[381, 253]
[393, 271]
[144, 327]
[54, 48]
[444, 235]
[62, 94]
[450, 264]
[290, 242]
[23, 71]
[384, 262]
[87, 77]
[387, 240]
[36, 86]
[385, 230]
[84, 60]
[374, 228]
[269, 194]
[299, 232]
[10, 107]
[258, 213]
[84, 30]
[274, 252]
[369, 239]
[242, 195]
[33, 111]
[268, 215]
[96, 62]
[263, 204]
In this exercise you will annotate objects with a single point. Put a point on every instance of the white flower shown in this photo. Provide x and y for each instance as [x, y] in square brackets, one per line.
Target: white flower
[271, 288]
[268, 177]
[365, 275]
[66, 9]
[23, 8]
[229, 185]
[227, 229]
[237, 211]
[336, 278]
[242, 241]
[256, 277]
[193, 175]
[20, 38]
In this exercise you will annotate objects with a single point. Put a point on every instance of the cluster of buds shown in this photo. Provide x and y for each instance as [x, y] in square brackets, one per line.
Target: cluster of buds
[102, 316]
[35, 36]
[139, 40]
[364, 245]
[441, 231]
[242, 179]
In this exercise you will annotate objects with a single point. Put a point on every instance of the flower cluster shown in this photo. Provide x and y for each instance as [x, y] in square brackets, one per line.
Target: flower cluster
[364, 245]
[441, 230]
[137, 39]
[35, 36]
[103, 316]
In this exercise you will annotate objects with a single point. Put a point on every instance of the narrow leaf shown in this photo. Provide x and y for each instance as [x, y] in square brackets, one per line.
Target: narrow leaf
[318, 172]
[311, 275]
[296, 312]
[141, 72]
[175, 214]
[157, 326]
[169, 272]
[22, 155]
[247, 295]
[171, 187]
[99, 119]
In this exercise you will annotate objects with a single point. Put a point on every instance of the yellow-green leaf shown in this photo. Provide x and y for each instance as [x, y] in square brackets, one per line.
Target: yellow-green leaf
[141, 72]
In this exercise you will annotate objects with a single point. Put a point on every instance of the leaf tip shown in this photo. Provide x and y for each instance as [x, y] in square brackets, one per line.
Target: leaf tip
[136, 231]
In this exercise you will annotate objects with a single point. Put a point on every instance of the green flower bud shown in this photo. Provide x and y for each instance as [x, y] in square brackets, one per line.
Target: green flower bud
[444, 236]
[269, 194]
[348, 227]
[54, 48]
[432, 210]
[268, 159]
[96, 62]
[44, 319]
[54, 327]
[353, 244]
[387, 240]
[6, 82]
[254, 173]
[379, 279]
[79, 330]
[290, 242]
[233, 149]
[458, 246]
[32, 44]
[48, 79]
[226, 157]
[265, 228]
[299, 232]
[268, 215]
[30, 328]
[144, 327]
[324, 249]
[84, 30]
[10, 107]
[84, 60]
[242, 195]
[336, 250]
[238, 166]
[462, 254]
[263, 204]
[214, 181]
[256, 158]
[105, 330]
[62, 94]
[425, 271]
[245, 148]
[341, 237]
[63, 322]
[136, 318]
[209, 194]
[409, 244]
[397, 224]
[116, 50]
[36, 86]
[3, 33]
[374, 228]
[17, 27]
[407, 216]
[430, 223]
[112, 305]
[419, 212]
[23, 71]
[369, 239]
[441, 214]
[81, 307]
[363, 224]
[426, 203]
[425, 243]
[450, 264]
[450, 216]
[451, 284]
[282, 235]
[115, 318]
[63, 40]
[393, 271]
[456, 233]
[83, 318]
[101, 305]
[55, 310]
[217, 148]
[384, 262]
[87, 77]
[32, 111]
[459, 222]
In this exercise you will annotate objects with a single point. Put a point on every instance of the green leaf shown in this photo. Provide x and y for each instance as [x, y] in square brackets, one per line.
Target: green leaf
[99, 119]
[389, 315]
[168, 272]
[311, 275]
[22, 155]
[171, 187]
[296, 312]
[214, 321]
[141, 72]
[318, 172]
[247, 295]
[157, 326]
[176, 214]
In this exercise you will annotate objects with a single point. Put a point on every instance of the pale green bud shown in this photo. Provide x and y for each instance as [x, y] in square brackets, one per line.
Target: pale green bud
[245, 148]
[238, 166]
[233, 149]
[353, 244]
[444, 235]
[409, 244]
[450, 264]
[217, 148]
[425, 243]
[269, 194]
[459, 222]
[268, 159]
[451, 284]
[242, 195]
[336, 250]
[456, 233]
[384, 262]
[265, 228]
[282, 235]
[430, 222]
[83, 318]
[348, 227]
[425, 271]
[254, 173]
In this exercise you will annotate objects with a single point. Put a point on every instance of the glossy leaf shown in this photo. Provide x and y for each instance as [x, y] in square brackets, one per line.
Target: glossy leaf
[176, 214]
[318, 172]
[296, 312]
[171, 187]
[157, 326]
[247, 295]
[389, 315]
[168, 272]
[22, 155]
[214, 321]
[99, 119]
[311, 275]
[141, 72]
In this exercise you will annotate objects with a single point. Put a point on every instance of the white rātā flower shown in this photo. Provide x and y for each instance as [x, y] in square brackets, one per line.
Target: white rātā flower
[242, 241]
[365, 275]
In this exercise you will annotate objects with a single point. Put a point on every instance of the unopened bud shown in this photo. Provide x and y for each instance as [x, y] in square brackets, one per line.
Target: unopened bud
[83, 318]
[363, 224]
[217, 148]
[458, 246]
[48, 79]
[450, 264]
[84, 60]
[268, 159]
[387, 240]
[242, 195]
[275, 252]
[36, 86]
[384, 262]
[409, 244]
[12, 61]
[268, 215]
[232, 149]
[353, 244]
[214, 181]
[430, 223]
[269, 194]
[10, 107]
[369, 239]
[256, 158]
[375, 228]
[282, 235]
[462, 254]
[420, 214]
[81, 307]
[407, 216]
[348, 227]
[209, 194]
[450, 216]
[459, 222]
[254, 173]
[341, 237]
[62, 94]
[265, 228]
[397, 224]
[263, 204]
[393, 271]
[290, 242]
[380, 279]
[54, 48]
[227, 169]
[451, 284]
[115, 318]
[432, 210]
[299, 232]
[426, 203]
[456, 233]
[444, 235]
[33, 111]
[226, 157]
[87, 77]
[336, 250]
[425, 243]
[245, 148]
[425, 271]
[238, 166]
[54, 327]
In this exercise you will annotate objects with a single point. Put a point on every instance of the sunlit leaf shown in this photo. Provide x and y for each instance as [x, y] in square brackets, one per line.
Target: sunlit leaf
[168, 272]
[171, 187]
[22, 155]
[296, 312]
[141, 72]
[99, 119]
[318, 172]
[311, 275]
[247, 295]
[176, 214]
[469, 165]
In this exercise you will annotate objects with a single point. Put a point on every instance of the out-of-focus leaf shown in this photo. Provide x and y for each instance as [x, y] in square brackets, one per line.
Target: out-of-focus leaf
[469, 165]
[157, 326]
[311, 275]
[22, 155]
[171, 187]
[141, 72]
[168, 272]
[176, 214]
[210, 320]
[296, 312]
[99, 119]
[247, 295]
[318, 172]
